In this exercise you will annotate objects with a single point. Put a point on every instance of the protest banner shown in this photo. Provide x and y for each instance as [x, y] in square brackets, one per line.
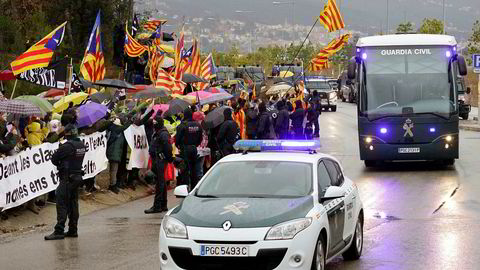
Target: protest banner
[138, 143]
[30, 173]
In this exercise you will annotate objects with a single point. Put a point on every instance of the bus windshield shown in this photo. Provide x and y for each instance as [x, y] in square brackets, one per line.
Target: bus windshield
[409, 79]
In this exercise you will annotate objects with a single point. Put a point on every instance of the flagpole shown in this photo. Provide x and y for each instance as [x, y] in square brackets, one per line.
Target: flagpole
[70, 75]
[14, 87]
[299, 49]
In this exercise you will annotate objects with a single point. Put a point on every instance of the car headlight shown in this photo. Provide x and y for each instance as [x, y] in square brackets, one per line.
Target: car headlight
[332, 95]
[174, 228]
[289, 229]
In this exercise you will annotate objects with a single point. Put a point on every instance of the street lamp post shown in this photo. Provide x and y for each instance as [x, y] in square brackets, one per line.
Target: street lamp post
[444, 16]
[251, 34]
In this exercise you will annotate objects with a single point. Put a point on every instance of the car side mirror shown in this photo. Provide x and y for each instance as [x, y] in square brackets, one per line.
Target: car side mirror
[352, 69]
[332, 193]
[462, 66]
[181, 191]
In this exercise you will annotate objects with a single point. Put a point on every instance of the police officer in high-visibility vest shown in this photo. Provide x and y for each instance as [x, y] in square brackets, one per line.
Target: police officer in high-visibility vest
[69, 161]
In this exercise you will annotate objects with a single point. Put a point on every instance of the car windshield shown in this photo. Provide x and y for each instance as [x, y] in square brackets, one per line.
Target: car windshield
[318, 85]
[412, 78]
[270, 179]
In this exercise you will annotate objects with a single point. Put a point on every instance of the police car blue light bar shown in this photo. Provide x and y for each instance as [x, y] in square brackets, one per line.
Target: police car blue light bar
[277, 145]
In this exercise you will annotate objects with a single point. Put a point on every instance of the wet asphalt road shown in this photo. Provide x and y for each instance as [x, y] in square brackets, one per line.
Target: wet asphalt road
[412, 219]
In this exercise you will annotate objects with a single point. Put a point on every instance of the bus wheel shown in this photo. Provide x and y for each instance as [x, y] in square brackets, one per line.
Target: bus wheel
[370, 163]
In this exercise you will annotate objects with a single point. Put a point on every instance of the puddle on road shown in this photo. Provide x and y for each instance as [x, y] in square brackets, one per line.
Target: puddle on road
[118, 220]
[385, 216]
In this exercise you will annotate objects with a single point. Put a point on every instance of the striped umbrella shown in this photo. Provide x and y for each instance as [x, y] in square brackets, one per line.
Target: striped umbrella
[41, 103]
[19, 107]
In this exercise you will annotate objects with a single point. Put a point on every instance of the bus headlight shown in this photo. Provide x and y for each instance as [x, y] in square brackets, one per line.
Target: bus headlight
[448, 138]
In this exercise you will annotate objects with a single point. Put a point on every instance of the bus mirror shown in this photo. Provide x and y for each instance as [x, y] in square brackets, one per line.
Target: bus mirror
[462, 65]
[352, 70]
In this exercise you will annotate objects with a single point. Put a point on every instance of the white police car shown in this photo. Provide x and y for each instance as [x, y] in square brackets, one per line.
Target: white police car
[273, 209]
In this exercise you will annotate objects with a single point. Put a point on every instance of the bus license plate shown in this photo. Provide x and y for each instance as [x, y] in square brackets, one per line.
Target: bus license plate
[410, 150]
[223, 251]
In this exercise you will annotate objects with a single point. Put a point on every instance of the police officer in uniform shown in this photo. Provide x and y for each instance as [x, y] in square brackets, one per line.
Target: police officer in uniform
[69, 161]
[189, 136]
[161, 153]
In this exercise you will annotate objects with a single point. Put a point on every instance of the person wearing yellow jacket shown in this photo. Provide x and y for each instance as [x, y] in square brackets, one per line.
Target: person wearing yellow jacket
[36, 133]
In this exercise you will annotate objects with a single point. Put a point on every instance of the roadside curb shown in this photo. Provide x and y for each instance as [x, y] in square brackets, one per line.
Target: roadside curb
[470, 127]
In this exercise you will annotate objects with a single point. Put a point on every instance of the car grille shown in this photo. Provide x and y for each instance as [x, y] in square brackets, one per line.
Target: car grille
[265, 259]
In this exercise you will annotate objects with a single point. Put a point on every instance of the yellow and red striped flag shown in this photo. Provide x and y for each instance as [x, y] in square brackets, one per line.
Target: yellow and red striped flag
[93, 63]
[208, 67]
[194, 66]
[40, 54]
[155, 61]
[168, 82]
[178, 55]
[132, 47]
[320, 61]
[331, 18]
[152, 25]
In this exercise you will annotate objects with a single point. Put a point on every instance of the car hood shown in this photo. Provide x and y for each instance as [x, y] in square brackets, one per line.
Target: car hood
[241, 212]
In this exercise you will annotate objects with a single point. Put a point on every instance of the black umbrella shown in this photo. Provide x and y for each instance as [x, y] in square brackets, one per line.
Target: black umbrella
[176, 106]
[215, 118]
[190, 78]
[114, 83]
[151, 93]
[86, 84]
[100, 97]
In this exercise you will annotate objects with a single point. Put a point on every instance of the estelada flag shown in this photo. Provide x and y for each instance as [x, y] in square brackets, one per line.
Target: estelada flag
[132, 47]
[153, 24]
[40, 54]
[331, 18]
[93, 63]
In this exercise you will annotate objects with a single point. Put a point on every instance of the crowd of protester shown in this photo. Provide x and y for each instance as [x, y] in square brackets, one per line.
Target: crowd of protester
[285, 117]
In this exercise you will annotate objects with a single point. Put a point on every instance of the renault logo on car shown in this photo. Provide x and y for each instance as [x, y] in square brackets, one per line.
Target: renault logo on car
[227, 225]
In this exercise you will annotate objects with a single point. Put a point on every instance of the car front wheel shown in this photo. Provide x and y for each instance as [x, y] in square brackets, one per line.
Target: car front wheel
[319, 256]
[355, 250]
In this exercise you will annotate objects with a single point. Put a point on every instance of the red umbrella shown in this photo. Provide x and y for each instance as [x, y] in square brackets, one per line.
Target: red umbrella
[138, 88]
[54, 92]
[6, 75]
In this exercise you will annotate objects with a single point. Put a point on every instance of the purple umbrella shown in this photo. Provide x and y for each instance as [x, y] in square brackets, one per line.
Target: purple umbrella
[90, 113]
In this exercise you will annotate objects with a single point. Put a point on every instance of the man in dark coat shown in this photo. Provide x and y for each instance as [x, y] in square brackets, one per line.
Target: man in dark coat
[298, 117]
[69, 161]
[161, 153]
[264, 123]
[252, 119]
[283, 121]
[228, 133]
[316, 110]
[188, 137]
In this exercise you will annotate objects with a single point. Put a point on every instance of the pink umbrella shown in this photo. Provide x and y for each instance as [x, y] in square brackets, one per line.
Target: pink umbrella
[201, 94]
[160, 107]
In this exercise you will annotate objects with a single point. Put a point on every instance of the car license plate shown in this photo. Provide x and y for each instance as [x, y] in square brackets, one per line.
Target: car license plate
[224, 251]
[409, 150]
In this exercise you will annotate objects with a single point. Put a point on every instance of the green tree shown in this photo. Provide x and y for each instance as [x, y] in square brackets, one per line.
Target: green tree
[405, 28]
[431, 26]
[474, 40]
